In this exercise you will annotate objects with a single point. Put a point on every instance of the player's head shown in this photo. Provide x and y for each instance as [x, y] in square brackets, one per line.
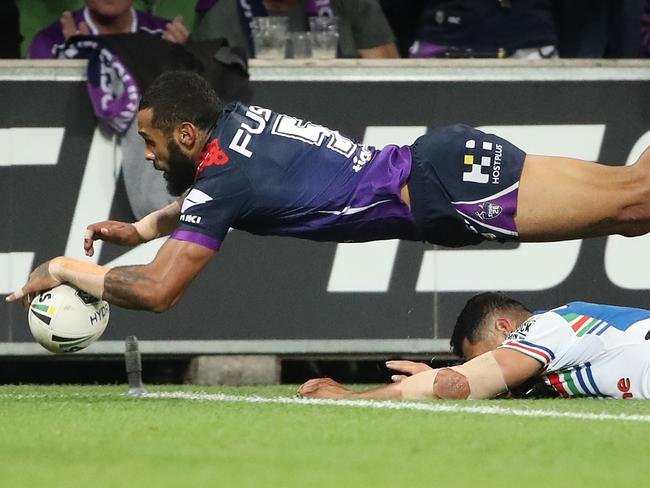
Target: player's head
[485, 321]
[176, 115]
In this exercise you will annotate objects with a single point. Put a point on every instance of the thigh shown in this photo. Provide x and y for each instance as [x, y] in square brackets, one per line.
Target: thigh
[564, 198]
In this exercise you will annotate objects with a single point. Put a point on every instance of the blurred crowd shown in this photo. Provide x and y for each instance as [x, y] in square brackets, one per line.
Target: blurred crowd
[532, 29]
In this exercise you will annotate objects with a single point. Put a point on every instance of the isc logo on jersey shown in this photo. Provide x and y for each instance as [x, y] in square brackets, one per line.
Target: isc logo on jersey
[490, 159]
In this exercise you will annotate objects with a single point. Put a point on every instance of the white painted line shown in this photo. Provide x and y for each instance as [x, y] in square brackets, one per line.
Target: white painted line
[15, 267]
[96, 192]
[28, 146]
[392, 405]
[437, 407]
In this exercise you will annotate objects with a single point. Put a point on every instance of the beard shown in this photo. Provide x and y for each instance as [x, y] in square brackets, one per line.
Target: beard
[180, 174]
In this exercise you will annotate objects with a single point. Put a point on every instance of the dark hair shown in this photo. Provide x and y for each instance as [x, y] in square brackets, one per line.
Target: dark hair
[470, 321]
[181, 96]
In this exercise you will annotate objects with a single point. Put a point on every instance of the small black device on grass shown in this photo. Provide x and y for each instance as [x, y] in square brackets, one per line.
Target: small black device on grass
[133, 367]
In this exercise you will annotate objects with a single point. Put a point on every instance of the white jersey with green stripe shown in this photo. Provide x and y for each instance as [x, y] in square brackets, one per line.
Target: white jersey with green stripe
[589, 350]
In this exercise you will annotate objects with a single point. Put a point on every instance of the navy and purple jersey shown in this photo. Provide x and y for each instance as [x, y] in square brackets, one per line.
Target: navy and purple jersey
[273, 174]
[50, 41]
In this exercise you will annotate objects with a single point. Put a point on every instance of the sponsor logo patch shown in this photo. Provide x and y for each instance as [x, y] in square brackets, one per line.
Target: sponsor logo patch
[191, 219]
[624, 385]
[482, 165]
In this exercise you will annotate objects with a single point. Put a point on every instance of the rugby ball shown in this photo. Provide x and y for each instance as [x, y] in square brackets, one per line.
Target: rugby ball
[66, 319]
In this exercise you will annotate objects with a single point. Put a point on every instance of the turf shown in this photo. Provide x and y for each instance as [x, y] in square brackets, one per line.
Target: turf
[71, 436]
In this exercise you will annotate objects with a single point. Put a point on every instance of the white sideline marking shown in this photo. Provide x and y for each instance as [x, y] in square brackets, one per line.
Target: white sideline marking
[392, 405]
[385, 405]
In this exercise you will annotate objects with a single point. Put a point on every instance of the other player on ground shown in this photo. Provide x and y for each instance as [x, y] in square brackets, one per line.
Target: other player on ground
[579, 350]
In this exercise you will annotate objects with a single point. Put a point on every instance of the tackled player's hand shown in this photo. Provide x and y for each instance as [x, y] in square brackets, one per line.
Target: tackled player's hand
[323, 388]
[406, 368]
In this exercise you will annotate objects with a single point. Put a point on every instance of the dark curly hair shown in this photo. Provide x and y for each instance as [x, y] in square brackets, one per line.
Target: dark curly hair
[471, 320]
[181, 96]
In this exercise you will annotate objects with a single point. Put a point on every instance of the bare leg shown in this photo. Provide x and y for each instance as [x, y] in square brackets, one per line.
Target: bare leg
[563, 198]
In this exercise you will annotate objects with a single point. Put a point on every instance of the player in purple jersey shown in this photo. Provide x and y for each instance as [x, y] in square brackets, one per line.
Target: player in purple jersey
[253, 169]
[576, 350]
[103, 17]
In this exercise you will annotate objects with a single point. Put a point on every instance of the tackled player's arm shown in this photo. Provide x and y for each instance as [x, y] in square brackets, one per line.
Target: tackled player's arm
[486, 376]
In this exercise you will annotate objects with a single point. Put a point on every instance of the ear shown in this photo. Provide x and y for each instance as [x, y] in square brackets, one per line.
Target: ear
[187, 134]
[504, 326]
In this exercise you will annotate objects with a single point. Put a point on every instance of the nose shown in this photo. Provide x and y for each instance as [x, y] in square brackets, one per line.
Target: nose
[149, 155]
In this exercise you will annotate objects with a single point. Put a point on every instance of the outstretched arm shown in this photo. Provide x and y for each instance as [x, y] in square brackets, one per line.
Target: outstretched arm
[156, 224]
[159, 285]
[485, 376]
[156, 286]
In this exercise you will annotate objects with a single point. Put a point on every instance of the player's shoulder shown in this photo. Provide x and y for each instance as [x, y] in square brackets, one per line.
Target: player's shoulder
[541, 322]
[523, 330]
[232, 116]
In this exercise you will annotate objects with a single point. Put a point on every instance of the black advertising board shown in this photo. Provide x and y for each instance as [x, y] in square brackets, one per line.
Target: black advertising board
[286, 295]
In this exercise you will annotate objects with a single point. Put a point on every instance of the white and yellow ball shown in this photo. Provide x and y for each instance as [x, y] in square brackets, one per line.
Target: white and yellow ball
[66, 319]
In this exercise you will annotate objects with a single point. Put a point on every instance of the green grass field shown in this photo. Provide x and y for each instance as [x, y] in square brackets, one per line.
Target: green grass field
[67, 436]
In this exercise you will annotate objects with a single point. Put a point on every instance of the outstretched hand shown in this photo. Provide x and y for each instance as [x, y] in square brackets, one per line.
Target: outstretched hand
[175, 31]
[324, 388]
[39, 279]
[407, 368]
[112, 231]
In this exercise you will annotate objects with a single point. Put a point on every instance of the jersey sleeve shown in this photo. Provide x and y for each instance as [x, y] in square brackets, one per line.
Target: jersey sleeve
[543, 337]
[41, 46]
[211, 207]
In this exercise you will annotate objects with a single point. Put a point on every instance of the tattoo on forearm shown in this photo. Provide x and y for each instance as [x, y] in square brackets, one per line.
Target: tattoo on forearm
[123, 286]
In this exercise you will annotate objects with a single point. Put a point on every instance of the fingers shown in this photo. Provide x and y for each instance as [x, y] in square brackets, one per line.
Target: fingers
[313, 385]
[88, 242]
[396, 378]
[309, 386]
[93, 233]
[83, 29]
[407, 367]
[27, 299]
[17, 295]
[176, 31]
[68, 25]
[22, 295]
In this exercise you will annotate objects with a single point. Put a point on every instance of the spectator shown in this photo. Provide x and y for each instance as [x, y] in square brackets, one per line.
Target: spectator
[486, 28]
[599, 28]
[10, 37]
[404, 18]
[103, 17]
[364, 31]
[645, 31]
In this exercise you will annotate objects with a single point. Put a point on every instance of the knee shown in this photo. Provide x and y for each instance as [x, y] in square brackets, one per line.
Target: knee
[451, 385]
